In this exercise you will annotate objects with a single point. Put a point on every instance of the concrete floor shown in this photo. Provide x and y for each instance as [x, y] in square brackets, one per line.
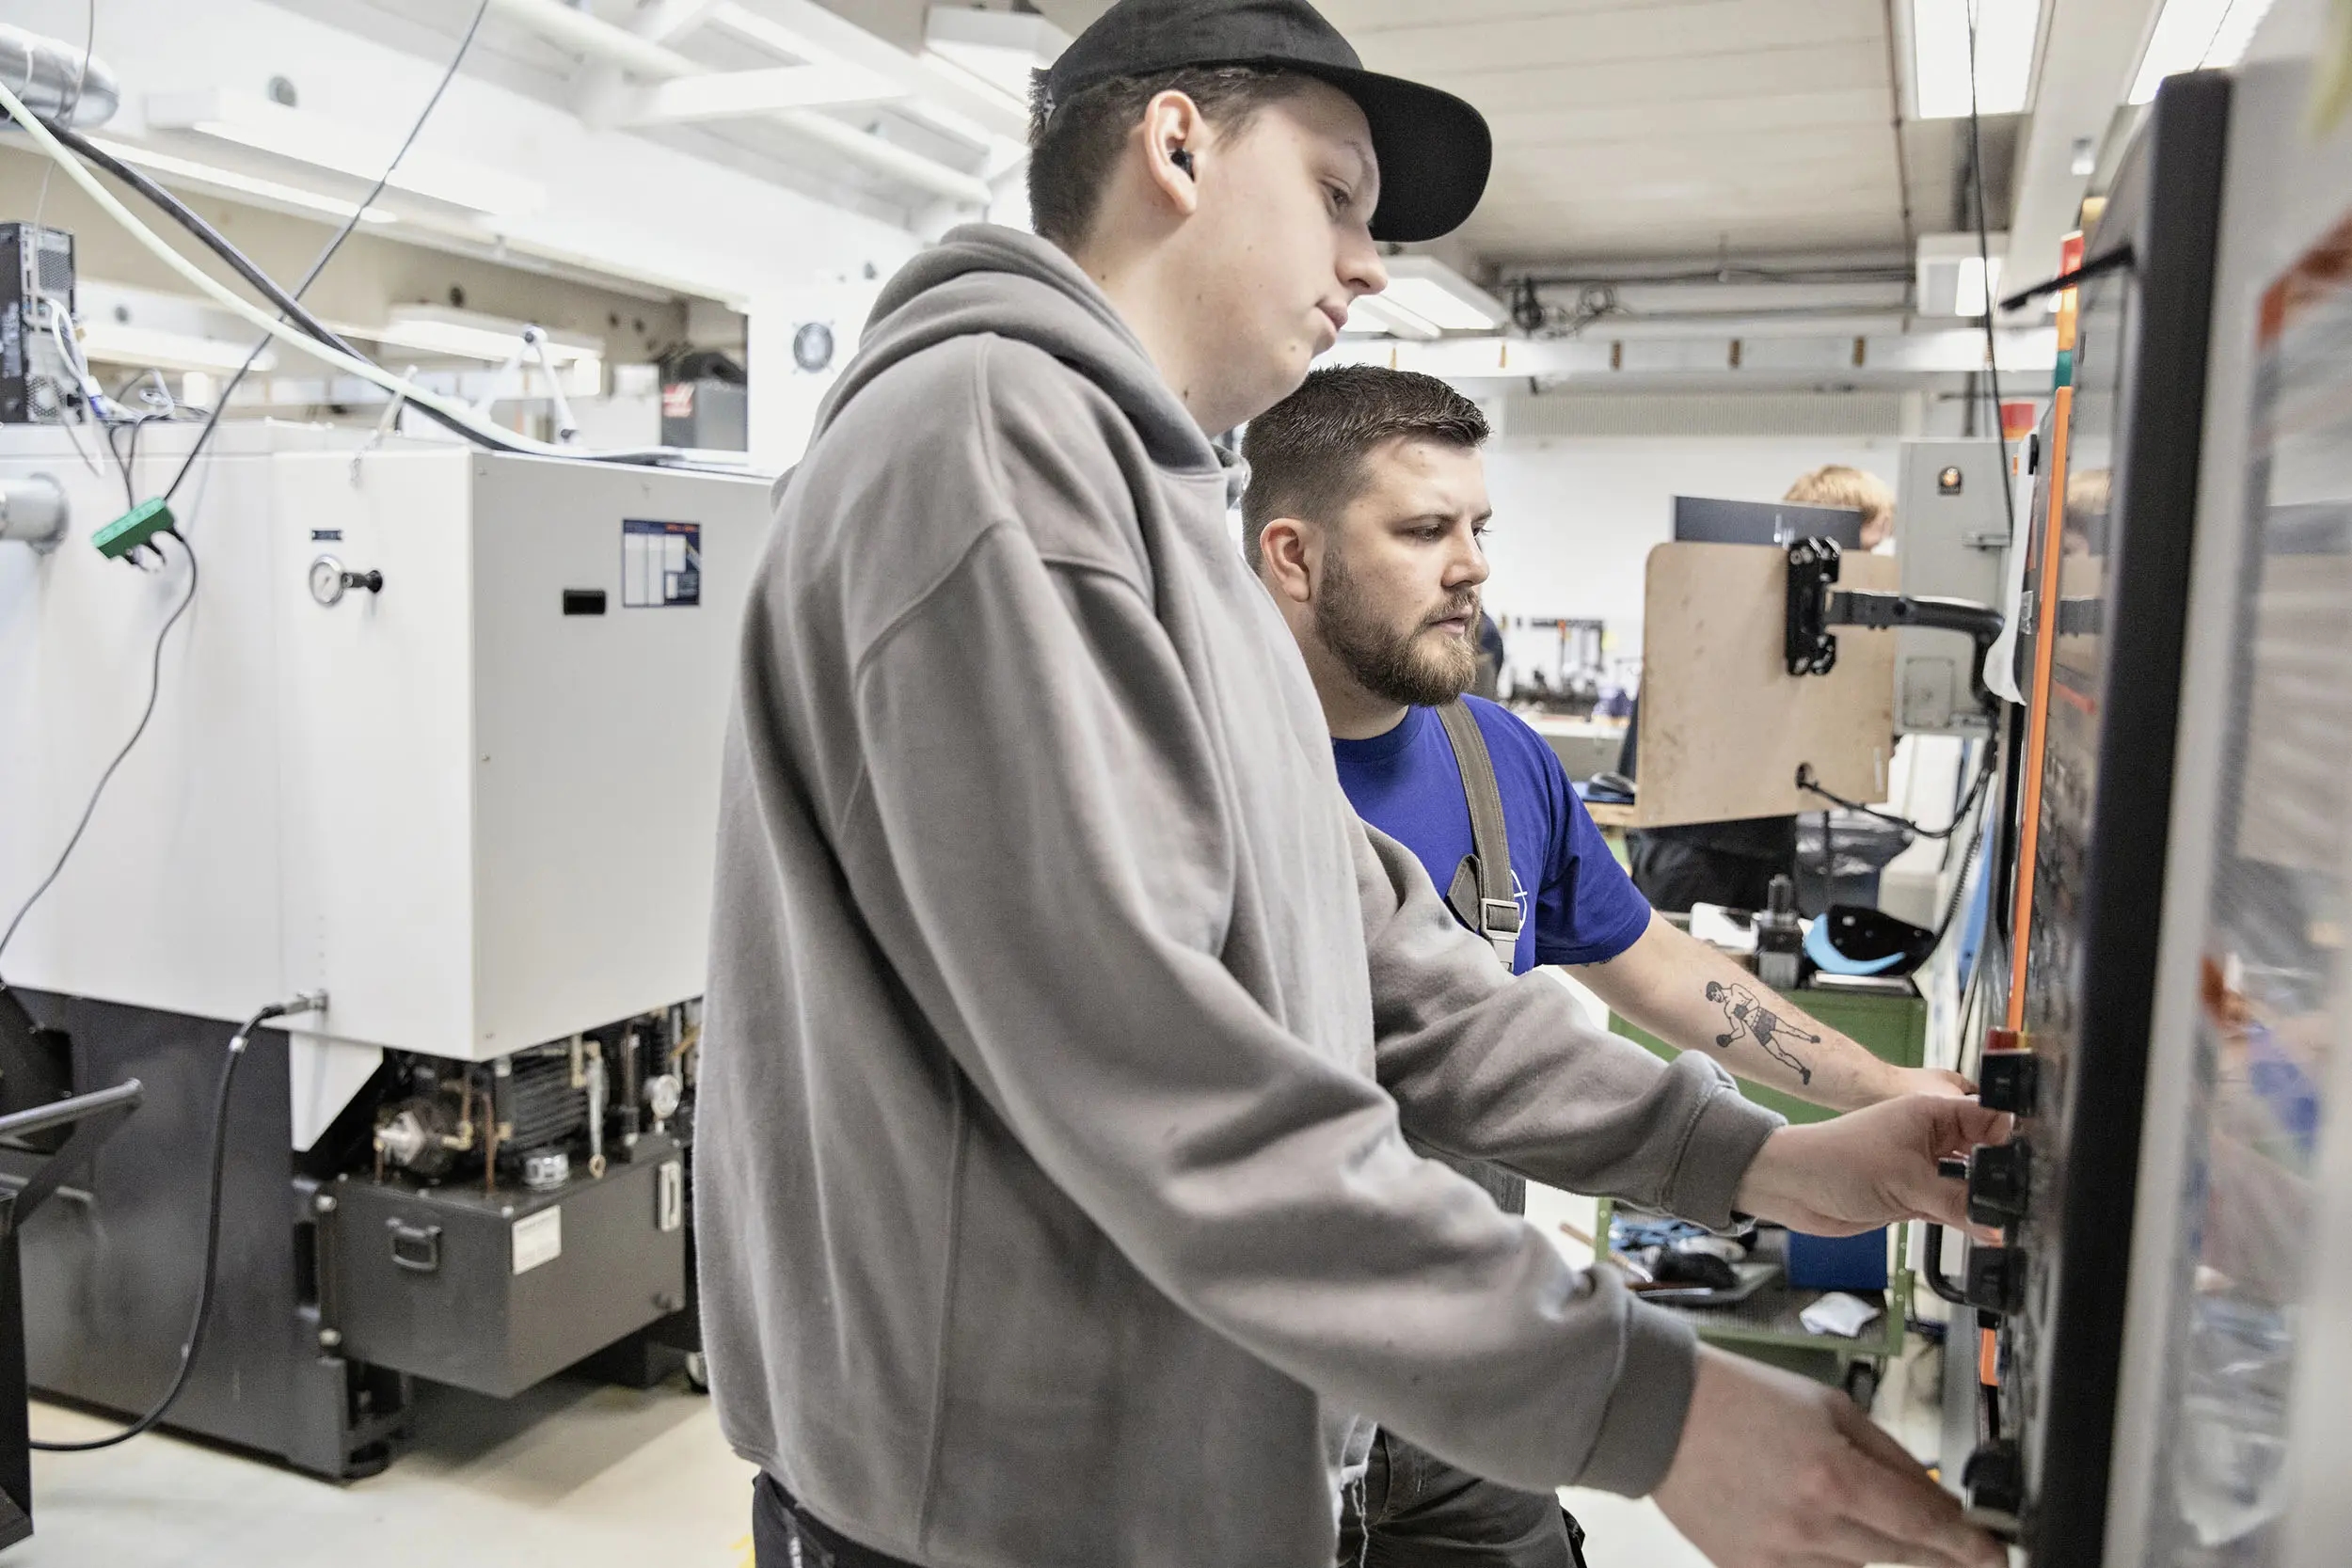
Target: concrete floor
[572, 1475]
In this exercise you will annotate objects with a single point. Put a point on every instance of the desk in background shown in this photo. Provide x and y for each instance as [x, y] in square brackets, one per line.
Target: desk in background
[1584, 746]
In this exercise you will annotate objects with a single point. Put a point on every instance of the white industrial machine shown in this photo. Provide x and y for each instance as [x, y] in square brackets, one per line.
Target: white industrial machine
[438, 742]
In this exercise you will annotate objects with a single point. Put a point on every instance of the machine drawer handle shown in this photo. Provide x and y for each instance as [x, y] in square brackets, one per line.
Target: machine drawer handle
[416, 1247]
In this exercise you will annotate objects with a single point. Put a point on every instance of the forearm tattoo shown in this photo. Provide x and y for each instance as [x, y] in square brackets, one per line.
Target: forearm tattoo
[1744, 1015]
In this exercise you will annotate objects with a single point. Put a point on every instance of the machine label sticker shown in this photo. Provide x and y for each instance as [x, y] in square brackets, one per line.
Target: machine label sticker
[538, 1238]
[661, 563]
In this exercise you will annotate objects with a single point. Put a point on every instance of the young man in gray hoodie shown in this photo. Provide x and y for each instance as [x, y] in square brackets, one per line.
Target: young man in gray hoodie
[1064, 1026]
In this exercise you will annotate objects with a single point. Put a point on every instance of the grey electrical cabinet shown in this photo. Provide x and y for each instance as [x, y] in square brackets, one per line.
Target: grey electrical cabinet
[1952, 533]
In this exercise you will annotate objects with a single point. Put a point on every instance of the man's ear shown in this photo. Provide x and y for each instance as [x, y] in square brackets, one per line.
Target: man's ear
[1288, 559]
[1173, 132]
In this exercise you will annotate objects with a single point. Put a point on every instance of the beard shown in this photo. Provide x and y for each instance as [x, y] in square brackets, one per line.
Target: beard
[1403, 666]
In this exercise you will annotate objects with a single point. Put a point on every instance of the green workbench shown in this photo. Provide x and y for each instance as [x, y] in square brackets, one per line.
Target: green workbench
[1765, 1326]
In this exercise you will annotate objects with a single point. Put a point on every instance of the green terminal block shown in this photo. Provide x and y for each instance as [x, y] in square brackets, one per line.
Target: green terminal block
[132, 529]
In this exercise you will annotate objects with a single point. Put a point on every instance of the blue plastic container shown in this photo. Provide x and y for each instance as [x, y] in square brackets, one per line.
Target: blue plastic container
[1838, 1262]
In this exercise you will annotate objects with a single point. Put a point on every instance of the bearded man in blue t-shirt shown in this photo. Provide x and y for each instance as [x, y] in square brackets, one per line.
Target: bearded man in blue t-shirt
[1364, 517]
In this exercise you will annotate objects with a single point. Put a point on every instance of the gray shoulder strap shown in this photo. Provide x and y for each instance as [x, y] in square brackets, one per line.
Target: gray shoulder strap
[1481, 895]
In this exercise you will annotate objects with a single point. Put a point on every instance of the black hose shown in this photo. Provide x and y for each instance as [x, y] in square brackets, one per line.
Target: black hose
[291, 308]
[244, 267]
[1811, 783]
[212, 1251]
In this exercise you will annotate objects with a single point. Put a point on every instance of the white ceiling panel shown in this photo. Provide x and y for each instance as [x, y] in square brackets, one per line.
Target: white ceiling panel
[1661, 128]
[1651, 128]
[1436, 44]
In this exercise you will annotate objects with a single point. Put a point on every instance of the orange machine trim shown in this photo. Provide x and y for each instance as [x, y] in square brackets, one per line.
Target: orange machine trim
[2045, 643]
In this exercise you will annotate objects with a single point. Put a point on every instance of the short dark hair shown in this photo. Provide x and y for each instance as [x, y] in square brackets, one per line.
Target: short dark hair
[1074, 146]
[1306, 453]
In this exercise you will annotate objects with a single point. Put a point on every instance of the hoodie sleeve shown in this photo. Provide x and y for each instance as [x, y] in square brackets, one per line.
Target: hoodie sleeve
[1492, 1067]
[1039, 794]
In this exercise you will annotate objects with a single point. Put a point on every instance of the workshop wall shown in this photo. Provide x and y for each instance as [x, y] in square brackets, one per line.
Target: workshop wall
[1576, 516]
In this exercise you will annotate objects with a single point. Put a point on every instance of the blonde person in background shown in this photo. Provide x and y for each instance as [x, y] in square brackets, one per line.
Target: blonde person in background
[1855, 490]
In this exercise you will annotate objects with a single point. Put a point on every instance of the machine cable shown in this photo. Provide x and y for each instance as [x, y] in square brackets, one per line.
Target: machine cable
[1810, 783]
[475, 427]
[154, 690]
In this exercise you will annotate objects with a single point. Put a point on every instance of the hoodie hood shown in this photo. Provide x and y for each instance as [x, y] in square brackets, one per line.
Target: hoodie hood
[983, 277]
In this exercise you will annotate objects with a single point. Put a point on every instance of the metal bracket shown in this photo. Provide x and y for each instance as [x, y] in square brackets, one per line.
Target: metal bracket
[1808, 646]
[93, 1118]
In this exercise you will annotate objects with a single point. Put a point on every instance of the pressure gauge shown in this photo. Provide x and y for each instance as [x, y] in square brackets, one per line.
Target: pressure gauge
[330, 582]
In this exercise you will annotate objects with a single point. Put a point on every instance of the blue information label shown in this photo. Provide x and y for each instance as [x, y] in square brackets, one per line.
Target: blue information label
[661, 563]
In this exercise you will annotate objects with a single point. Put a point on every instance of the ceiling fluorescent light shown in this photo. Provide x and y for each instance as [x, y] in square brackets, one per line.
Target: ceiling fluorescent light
[112, 343]
[1940, 57]
[2195, 35]
[729, 94]
[468, 335]
[1383, 316]
[301, 136]
[206, 177]
[1443, 297]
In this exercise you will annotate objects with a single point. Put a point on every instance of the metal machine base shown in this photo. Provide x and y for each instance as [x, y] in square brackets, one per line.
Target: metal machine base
[111, 1266]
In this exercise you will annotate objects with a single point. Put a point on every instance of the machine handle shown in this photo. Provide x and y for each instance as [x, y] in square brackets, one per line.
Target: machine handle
[416, 1247]
[1952, 1170]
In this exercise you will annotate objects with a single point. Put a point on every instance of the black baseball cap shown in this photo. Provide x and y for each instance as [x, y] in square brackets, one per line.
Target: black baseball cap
[1434, 149]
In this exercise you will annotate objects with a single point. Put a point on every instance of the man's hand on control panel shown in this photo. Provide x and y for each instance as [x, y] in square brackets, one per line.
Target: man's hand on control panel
[1871, 1167]
[1776, 1472]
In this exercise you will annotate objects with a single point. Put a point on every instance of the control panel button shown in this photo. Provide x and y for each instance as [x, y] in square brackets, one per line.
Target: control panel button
[2008, 1081]
[1995, 1481]
[1999, 1176]
[1996, 1279]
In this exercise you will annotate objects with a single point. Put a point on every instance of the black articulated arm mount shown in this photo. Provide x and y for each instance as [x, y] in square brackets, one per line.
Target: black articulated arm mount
[1816, 604]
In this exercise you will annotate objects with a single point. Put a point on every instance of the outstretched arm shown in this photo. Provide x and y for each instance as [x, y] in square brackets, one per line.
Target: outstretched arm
[1663, 983]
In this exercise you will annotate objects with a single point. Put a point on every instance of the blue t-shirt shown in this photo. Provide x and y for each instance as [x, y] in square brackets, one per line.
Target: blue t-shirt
[1577, 906]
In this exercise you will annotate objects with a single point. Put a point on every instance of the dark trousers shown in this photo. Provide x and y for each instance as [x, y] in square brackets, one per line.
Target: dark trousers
[783, 1535]
[1413, 1510]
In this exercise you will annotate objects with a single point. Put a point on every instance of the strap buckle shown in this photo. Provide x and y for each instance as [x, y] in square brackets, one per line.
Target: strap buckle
[1500, 922]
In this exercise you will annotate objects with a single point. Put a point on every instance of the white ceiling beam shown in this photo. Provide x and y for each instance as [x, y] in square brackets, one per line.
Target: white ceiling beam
[733, 94]
[602, 94]
[590, 36]
[2090, 50]
[597, 40]
[808, 31]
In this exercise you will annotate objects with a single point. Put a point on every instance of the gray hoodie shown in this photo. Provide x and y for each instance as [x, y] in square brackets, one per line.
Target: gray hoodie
[1052, 1200]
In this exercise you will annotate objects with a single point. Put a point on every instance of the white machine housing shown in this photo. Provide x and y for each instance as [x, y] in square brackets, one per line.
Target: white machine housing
[477, 821]
[1952, 520]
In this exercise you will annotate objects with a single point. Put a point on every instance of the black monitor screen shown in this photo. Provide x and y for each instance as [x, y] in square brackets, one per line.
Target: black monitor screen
[1706, 520]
